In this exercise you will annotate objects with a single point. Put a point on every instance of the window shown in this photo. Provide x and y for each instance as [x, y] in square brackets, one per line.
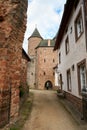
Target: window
[70, 30]
[53, 60]
[78, 25]
[67, 45]
[32, 73]
[66, 30]
[32, 60]
[1, 18]
[44, 73]
[53, 73]
[69, 80]
[59, 58]
[44, 60]
[82, 76]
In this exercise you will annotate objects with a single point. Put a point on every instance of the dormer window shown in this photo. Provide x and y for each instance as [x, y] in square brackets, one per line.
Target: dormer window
[79, 25]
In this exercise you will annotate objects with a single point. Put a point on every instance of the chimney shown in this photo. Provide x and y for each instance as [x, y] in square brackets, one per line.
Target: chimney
[49, 42]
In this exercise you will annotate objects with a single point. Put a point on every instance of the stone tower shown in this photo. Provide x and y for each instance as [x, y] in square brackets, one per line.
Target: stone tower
[46, 61]
[33, 42]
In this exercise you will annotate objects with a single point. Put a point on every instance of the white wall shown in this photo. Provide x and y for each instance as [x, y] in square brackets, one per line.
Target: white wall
[56, 79]
[76, 54]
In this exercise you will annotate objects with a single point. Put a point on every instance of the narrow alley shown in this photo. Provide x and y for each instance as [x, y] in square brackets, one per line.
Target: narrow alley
[49, 114]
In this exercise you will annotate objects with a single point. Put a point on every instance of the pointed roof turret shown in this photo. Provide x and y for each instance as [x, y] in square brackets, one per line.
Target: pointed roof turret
[36, 34]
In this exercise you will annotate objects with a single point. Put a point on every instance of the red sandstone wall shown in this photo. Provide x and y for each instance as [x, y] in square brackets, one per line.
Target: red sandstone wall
[33, 43]
[50, 57]
[24, 88]
[24, 72]
[12, 28]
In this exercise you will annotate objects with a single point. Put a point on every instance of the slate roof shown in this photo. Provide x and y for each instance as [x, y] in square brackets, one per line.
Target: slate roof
[44, 43]
[36, 34]
[65, 18]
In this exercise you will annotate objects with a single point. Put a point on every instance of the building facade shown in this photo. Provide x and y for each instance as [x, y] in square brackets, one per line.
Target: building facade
[33, 42]
[43, 57]
[24, 88]
[72, 51]
[44, 64]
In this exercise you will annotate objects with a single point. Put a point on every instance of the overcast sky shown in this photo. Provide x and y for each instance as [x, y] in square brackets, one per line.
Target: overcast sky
[46, 16]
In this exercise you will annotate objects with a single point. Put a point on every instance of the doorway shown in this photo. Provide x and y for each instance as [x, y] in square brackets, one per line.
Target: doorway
[48, 85]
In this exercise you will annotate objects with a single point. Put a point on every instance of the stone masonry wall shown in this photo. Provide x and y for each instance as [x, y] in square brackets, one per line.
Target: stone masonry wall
[77, 102]
[24, 72]
[12, 29]
[33, 43]
[24, 88]
[46, 60]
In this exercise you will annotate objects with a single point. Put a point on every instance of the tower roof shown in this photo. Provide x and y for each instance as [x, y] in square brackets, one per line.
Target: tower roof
[36, 34]
[46, 43]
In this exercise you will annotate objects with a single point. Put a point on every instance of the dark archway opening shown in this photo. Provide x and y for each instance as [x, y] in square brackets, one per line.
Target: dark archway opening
[48, 85]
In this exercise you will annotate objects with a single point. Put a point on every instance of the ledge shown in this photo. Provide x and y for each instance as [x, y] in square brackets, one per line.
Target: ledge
[84, 93]
[61, 94]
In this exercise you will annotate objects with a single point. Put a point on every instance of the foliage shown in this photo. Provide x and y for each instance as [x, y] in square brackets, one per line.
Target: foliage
[24, 113]
[21, 93]
[14, 128]
[23, 90]
[59, 91]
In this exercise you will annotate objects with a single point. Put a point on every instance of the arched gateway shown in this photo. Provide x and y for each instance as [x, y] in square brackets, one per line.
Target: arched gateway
[48, 85]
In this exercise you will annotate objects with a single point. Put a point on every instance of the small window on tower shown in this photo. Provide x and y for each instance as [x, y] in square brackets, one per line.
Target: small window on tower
[44, 60]
[31, 73]
[53, 73]
[53, 60]
[1, 18]
[44, 73]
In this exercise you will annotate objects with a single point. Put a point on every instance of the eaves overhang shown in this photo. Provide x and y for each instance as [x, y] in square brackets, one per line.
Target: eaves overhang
[65, 18]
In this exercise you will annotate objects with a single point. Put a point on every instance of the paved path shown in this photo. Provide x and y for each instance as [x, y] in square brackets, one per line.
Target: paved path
[49, 114]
